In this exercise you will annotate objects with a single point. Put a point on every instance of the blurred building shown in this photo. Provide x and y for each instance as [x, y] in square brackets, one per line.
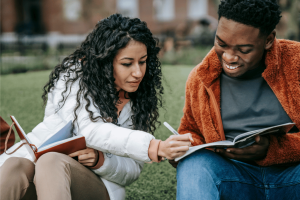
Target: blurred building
[68, 21]
[54, 22]
[289, 25]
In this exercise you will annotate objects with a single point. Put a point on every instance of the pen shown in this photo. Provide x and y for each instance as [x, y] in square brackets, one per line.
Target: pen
[170, 128]
[175, 132]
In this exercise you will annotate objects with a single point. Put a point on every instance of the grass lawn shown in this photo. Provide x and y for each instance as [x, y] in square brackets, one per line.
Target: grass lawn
[20, 95]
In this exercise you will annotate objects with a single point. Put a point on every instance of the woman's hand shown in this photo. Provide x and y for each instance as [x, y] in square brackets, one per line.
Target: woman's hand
[175, 146]
[87, 157]
[256, 151]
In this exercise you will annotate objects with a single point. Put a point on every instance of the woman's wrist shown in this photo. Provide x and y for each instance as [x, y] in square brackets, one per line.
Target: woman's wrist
[153, 150]
[100, 161]
[160, 151]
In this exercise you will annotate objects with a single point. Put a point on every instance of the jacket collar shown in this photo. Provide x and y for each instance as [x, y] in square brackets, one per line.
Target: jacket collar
[272, 62]
[210, 68]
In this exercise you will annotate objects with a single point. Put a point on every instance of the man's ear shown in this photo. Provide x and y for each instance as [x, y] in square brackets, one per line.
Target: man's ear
[270, 40]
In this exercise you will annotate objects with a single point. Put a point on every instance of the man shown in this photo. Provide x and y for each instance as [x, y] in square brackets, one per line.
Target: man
[248, 81]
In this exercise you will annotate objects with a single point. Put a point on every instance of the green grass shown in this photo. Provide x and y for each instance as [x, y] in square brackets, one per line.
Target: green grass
[186, 56]
[20, 96]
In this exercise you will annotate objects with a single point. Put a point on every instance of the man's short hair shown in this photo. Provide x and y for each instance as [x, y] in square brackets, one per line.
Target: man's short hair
[261, 14]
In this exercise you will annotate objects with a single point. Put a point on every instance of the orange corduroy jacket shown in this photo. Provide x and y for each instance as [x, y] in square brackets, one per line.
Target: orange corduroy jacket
[202, 114]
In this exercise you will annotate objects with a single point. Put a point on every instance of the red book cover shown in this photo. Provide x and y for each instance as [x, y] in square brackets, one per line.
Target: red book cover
[61, 142]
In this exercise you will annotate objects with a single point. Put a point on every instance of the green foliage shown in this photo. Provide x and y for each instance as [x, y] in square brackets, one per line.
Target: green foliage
[22, 64]
[21, 97]
[35, 59]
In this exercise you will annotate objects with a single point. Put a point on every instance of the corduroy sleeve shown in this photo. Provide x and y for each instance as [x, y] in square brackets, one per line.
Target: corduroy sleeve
[188, 123]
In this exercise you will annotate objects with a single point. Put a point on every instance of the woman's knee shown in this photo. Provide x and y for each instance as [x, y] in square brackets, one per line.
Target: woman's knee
[14, 168]
[49, 160]
[15, 165]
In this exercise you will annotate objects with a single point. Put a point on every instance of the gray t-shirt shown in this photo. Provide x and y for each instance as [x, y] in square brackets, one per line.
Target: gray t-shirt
[248, 103]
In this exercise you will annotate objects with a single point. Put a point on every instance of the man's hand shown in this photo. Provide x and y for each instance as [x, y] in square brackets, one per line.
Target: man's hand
[87, 157]
[256, 151]
[175, 146]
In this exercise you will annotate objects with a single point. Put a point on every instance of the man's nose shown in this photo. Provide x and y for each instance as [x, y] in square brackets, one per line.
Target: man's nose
[229, 57]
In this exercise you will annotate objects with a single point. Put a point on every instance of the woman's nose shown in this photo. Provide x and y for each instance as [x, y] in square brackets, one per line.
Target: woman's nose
[137, 71]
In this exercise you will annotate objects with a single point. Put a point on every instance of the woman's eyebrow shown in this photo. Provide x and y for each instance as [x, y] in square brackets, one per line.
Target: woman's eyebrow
[132, 58]
[127, 58]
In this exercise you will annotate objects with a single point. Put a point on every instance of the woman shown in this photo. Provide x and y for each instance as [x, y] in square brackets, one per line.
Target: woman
[111, 89]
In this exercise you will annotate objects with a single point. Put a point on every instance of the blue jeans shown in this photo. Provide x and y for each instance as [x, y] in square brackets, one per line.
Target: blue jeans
[209, 176]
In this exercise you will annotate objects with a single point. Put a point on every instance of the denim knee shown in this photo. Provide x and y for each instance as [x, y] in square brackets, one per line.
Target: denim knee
[201, 159]
[195, 176]
[207, 163]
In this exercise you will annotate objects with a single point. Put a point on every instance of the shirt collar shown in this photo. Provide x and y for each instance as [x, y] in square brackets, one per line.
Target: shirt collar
[125, 113]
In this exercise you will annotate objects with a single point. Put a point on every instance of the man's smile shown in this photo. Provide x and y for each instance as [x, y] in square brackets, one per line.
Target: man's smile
[230, 66]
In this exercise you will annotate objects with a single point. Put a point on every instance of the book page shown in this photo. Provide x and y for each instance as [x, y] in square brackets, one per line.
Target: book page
[62, 134]
[224, 143]
[59, 142]
[241, 140]
[247, 139]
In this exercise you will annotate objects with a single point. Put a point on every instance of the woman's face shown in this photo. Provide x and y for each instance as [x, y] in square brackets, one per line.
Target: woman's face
[130, 66]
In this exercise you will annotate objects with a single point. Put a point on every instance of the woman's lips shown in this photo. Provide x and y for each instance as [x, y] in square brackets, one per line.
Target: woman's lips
[134, 83]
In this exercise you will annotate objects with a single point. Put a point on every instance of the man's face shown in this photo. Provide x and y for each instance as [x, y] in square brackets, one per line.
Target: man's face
[239, 47]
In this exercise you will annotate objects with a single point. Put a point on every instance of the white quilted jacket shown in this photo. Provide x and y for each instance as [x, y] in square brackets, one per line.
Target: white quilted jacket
[125, 150]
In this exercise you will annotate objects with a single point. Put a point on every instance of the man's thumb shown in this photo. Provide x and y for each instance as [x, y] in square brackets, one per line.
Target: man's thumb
[257, 139]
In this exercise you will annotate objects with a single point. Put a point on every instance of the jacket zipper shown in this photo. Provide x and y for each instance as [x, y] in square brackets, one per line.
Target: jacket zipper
[218, 112]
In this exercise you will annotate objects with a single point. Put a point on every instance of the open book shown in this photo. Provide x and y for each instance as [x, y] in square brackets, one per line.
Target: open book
[62, 142]
[242, 140]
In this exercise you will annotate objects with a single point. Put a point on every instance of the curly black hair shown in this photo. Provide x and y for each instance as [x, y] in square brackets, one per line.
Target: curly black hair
[261, 14]
[95, 73]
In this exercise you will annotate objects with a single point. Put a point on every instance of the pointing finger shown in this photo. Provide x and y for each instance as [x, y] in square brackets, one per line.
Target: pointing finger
[257, 139]
[74, 154]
